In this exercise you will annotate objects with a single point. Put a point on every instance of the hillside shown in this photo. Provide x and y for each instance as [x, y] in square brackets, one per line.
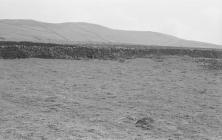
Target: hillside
[34, 31]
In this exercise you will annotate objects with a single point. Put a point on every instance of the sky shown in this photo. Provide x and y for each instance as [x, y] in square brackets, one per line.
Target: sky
[199, 20]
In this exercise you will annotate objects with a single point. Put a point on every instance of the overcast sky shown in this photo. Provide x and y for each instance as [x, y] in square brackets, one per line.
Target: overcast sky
[190, 19]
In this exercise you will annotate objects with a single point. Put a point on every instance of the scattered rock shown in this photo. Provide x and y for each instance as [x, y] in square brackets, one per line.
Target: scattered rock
[121, 60]
[145, 123]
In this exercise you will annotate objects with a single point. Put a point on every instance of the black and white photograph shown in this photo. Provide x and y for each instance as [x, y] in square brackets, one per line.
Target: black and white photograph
[110, 69]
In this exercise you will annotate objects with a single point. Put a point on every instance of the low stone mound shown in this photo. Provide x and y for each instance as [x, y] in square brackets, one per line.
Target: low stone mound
[146, 123]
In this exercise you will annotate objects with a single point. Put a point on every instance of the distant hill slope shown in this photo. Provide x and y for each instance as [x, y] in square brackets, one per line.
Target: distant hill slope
[34, 31]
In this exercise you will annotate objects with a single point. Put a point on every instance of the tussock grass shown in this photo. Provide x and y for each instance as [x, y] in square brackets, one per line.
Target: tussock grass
[210, 64]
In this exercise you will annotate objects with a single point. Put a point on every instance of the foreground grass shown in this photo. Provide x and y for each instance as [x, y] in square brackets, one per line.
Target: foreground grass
[159, 98]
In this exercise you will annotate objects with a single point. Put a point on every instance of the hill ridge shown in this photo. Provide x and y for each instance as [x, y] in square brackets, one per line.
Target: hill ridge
[37, 31]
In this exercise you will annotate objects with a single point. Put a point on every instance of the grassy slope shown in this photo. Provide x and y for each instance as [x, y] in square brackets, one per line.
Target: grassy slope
[97, 99]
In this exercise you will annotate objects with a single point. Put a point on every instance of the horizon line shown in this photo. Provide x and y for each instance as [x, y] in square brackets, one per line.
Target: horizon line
[104, 26]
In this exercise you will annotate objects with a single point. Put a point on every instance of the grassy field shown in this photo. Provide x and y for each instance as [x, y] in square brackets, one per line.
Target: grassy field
[164, 98]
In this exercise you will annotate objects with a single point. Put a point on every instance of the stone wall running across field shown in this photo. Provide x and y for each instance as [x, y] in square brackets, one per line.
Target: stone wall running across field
[12, 50]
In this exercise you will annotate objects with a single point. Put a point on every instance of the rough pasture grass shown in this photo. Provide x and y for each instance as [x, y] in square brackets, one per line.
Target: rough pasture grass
[175, 98]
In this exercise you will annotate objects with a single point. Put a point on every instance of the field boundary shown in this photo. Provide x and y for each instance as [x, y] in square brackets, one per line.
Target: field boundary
[13, 50]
